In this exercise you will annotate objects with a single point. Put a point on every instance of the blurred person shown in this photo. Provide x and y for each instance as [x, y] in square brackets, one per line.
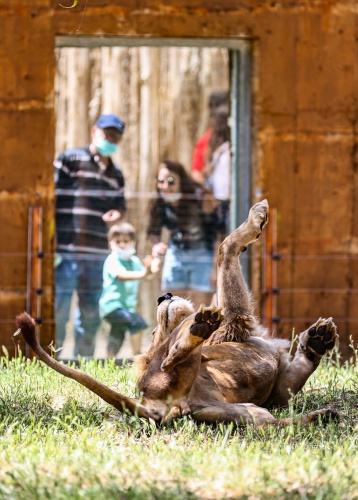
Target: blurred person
[89, 190]
[122, 272]
[186, 210]
[218, 100]
[217, 173]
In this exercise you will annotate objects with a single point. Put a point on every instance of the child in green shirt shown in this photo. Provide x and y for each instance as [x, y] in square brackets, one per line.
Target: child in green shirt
[122, 272]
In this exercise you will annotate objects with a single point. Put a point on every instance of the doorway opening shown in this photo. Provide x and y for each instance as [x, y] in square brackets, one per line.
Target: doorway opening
[161, 88]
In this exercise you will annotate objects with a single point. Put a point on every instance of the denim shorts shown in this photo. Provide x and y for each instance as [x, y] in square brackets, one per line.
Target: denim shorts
[122, 320]
[187, 269]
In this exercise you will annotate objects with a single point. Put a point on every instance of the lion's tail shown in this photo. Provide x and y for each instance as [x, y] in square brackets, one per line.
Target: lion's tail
[28, 329]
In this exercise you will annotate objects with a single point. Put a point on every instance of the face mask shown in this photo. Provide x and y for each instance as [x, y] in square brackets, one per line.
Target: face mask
[104, 147]
[124, 253]
[171, 197]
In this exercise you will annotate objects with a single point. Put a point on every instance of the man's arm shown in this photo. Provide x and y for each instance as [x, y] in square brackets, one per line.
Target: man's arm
[114, 215]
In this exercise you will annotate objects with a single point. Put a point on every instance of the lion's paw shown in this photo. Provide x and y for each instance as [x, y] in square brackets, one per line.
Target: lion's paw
[206, 321]
[251, 229]
[181, 409]
[319, 338]
[325, 416]
[258, 217]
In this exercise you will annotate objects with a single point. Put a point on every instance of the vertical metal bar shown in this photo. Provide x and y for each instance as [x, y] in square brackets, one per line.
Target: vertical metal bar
[235, 96]
[29, 258]
[263, 279]
[268, 276]
[269, 273]
[275, 288]
[240, 201]
[34, 268]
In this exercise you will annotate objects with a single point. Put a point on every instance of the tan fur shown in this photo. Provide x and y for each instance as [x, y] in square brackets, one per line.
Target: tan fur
[217, 363]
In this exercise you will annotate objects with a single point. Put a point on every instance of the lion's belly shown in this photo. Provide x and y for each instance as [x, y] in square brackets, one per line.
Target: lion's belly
[238, 372]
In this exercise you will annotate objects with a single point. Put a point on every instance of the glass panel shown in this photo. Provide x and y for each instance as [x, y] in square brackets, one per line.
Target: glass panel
[163, 95]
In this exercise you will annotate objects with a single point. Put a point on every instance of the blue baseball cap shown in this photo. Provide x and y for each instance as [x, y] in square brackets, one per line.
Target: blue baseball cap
[106, 121]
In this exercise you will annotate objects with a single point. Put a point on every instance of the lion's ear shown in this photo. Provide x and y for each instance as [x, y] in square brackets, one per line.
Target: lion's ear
[165, 296]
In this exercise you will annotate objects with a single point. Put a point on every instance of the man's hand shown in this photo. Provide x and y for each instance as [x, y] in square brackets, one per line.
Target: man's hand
[111, 217]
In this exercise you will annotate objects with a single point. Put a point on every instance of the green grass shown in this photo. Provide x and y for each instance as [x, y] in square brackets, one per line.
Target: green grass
[58, 440]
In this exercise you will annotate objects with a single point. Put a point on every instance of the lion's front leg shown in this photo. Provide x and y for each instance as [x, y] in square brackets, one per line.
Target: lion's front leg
[169, 381]
[191, 334]
[169, 377]
[314, 342]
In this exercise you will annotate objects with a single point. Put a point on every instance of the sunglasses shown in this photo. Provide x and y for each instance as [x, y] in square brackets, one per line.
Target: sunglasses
[169, 180]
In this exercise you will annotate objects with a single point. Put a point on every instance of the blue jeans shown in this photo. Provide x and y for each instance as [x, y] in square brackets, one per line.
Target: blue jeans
[83, 273]
[187, 269]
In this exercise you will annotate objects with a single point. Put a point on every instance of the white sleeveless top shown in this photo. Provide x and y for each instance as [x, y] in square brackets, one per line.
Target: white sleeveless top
[220, 174]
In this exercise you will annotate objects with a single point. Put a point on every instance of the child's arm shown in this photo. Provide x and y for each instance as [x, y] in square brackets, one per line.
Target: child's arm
[125, 275]
[155, 265]
[151, 266]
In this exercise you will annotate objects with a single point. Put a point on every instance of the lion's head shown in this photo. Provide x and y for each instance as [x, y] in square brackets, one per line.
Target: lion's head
[172, 310]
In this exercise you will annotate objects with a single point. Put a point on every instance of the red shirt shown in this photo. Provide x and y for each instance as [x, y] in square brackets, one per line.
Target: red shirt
[200, 149]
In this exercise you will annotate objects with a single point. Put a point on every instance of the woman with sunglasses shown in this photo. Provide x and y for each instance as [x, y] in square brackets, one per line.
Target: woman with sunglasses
[186, 210]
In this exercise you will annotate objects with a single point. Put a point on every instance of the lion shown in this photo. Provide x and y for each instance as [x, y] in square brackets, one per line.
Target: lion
[219, 363]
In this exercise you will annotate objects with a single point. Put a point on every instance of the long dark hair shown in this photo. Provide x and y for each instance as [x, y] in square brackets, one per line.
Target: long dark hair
[221, 132]
[188, 205]
[187, 185]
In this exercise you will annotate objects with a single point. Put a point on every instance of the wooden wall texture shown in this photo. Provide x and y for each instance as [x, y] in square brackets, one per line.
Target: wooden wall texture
[161, 93]
[304, 136]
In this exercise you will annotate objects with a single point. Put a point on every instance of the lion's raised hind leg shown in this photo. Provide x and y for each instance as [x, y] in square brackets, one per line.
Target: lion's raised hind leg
[233, 295]
[250, 414]
[314, 342]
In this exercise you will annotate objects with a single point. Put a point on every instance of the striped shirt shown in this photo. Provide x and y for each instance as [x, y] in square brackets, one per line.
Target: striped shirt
[84, 192]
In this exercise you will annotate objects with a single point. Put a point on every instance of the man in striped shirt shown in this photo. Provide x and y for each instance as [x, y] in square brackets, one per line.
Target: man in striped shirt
[89, 198]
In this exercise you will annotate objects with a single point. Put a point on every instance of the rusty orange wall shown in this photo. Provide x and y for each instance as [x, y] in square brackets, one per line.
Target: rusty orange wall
[304, 134]
[307, 133]
[27, 138]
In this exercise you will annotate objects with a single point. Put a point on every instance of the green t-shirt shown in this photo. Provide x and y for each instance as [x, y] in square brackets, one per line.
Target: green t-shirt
[117, 293]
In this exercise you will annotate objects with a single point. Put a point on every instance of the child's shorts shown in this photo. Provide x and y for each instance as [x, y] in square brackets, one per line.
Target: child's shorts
[122, 321]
